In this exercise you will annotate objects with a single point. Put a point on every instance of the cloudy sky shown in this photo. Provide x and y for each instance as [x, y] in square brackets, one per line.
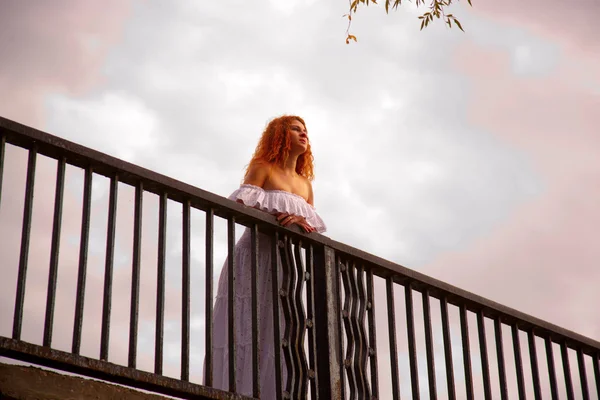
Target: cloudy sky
[470, 157]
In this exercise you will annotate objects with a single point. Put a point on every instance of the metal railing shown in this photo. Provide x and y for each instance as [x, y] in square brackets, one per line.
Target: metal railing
[324, 306]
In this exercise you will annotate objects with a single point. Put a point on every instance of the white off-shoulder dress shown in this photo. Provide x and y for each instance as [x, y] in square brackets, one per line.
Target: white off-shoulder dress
[271, 201]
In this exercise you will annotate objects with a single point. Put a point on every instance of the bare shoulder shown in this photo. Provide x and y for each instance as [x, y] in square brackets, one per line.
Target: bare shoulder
[311, 197]
[257, 174]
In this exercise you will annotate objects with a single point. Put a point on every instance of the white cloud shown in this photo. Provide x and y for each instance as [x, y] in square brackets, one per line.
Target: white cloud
[287, 7]
[534, 59]
[113, 122]
[530, 54]
[211, 80]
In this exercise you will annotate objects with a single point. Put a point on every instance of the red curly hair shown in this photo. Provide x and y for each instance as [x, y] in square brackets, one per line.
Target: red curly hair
[275, 144]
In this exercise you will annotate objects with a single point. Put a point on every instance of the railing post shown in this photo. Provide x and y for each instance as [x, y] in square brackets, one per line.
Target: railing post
[327, 324]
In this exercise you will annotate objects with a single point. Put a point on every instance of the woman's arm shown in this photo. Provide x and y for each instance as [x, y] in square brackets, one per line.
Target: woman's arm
[257, 174]
[287, 219]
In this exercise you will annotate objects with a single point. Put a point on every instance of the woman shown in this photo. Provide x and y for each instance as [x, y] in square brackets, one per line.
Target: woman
[277, 181]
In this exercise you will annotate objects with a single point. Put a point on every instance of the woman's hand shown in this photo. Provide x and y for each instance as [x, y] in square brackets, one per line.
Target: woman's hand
[286, 219]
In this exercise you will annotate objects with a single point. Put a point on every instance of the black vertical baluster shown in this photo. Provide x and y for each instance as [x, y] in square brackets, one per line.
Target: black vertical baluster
[596, 365]
[535, 371]
[372, 335]
[286, 292]
[466, 347]
[585, 392]
[83, 253]
[288, 321]
[310, 307]
[290, 274]
[340, 277]
[2, 147]
[448, 349]
[302, 323]
[500, 355]
[54, 250]
[24, 255]
[518, 362]
[412, 347]
[108, 268]
[354, 342]
[429, 345]
[185, 295]
[567, 371]
[160, 284]
[485, 366]
[392, 335]
[231, 301]
[208, 365]
[135, 274]
[363, 354]
[327, 322]
[276, 313]
[354, 366]
[349, 299]
[551, 369]
[255, 313]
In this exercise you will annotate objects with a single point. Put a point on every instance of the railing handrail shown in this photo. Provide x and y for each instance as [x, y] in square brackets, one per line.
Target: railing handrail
[109, 166]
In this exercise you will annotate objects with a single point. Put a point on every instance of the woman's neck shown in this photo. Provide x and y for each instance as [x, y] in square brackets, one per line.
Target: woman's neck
[289, 167]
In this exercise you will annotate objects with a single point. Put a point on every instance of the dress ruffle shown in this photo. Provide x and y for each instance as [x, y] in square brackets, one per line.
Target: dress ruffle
[273, 201]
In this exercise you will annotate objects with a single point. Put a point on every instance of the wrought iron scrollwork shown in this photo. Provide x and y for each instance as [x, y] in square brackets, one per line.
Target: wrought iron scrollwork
[357, 303]
[295, 323]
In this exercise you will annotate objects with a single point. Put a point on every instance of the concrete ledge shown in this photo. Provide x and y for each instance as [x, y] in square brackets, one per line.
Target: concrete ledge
[109, 372]
[30, 383]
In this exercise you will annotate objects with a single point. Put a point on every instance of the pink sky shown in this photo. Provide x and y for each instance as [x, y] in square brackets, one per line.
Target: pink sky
[58, 57]
[54, 46]
[548, 251]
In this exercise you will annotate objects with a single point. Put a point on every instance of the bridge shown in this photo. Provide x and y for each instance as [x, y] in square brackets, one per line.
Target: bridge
[346, 321]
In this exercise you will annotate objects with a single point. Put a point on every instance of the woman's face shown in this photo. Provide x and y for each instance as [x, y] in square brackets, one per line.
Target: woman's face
[298, 136]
